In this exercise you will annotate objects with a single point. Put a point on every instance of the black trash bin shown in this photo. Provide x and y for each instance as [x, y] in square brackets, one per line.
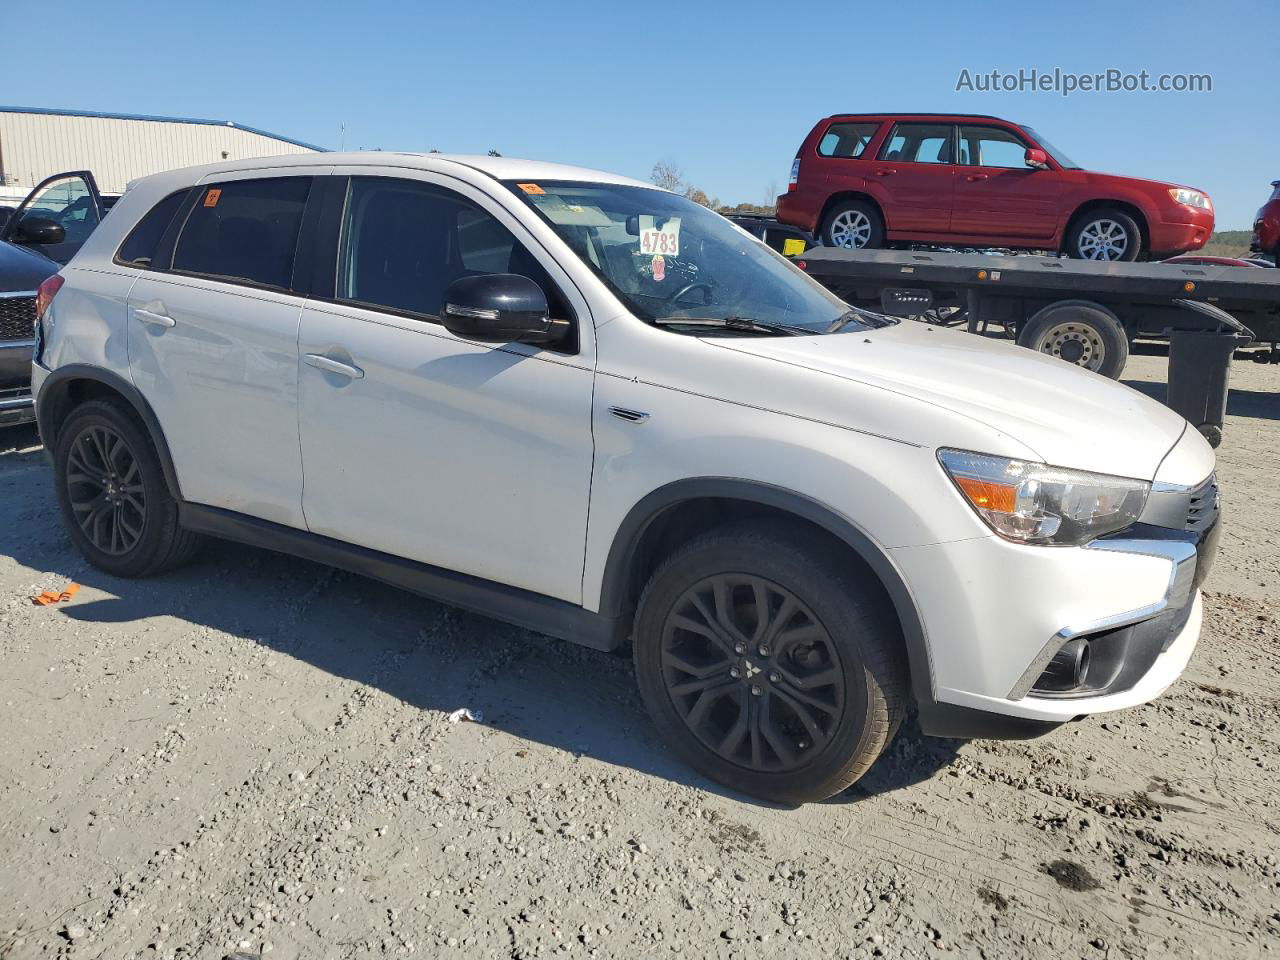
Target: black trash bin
[1200, 368]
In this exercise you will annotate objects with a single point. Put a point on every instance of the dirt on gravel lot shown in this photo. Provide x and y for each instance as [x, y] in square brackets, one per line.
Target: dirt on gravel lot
[253, 756]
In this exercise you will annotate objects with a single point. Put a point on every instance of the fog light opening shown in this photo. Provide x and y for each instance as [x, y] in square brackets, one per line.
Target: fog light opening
[1069, 668]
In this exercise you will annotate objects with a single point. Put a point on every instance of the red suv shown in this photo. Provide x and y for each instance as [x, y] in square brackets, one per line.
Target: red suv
[1266, 225]
[873, 180]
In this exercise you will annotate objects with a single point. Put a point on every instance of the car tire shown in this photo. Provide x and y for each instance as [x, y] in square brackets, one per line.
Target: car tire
[853, 225]
[1107, 234]
[1078, 332]
[114, 499]
[802, 712]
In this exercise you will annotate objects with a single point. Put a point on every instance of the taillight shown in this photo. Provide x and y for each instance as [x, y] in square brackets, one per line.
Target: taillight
[795, 175]
[45, 293]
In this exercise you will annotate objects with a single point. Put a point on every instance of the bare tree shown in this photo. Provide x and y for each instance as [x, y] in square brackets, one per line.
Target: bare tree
[494, 153]
[771, 193]
[667, 175]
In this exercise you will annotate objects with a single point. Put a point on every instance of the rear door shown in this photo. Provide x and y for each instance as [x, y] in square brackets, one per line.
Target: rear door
[213, 343]
[912, 178]
[69, 200]
[996, 193]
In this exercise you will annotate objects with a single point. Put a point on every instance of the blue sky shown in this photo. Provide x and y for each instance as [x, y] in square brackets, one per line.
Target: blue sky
[725, 90]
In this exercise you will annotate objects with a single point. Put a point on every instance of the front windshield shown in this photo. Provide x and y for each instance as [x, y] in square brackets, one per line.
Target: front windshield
[1062, 159]
[668, 258]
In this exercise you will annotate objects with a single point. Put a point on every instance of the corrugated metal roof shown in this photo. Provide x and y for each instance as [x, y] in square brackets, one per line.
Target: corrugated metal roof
[54, 112]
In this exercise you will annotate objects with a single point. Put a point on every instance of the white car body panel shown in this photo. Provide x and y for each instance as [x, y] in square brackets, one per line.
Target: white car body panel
[1065, 416]
[223, 382]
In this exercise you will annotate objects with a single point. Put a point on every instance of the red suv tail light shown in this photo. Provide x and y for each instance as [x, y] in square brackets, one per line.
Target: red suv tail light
[45, 293]
[795, 175]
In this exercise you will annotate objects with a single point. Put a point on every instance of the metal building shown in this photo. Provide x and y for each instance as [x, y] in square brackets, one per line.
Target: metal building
[119, 147]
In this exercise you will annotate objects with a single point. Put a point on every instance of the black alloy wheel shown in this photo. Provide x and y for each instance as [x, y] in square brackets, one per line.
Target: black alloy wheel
[752, 672]
[769, 660]
[104, 487]
[116, 504]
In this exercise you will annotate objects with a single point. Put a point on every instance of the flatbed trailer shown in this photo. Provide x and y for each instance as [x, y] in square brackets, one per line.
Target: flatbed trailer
[1030, 294]
[1082, 311]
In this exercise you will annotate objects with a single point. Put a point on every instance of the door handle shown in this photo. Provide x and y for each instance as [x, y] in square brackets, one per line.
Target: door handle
[155, 319]
[885, 173]
[978, 176]
[321, 362]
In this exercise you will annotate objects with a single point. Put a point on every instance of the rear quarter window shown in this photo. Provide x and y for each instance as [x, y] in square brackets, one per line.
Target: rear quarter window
[846, 139]
[139, 247]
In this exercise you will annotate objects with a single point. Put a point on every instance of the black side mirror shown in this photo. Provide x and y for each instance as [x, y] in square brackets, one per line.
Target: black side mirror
[500, 308]
[40, 230]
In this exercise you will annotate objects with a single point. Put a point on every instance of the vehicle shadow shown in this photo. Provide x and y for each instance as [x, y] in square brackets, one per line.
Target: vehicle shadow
[423, 653]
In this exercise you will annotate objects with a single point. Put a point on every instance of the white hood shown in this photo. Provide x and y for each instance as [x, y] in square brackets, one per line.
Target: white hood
[1068, 416]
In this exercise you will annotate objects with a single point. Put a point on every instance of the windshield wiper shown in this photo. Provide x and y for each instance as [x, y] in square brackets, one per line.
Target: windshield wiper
[858, 315]
[744, 324]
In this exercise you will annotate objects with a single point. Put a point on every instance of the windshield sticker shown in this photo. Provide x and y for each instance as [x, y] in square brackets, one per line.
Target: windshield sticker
[664, 240]
[530, 188]
[569, 214]
[212, 196]
[659, 269]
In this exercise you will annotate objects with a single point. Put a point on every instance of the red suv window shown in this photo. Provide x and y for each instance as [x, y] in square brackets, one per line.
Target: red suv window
[919, 143]
[846, 139]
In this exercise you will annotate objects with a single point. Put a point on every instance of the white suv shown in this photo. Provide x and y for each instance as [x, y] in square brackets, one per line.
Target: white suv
[593, 408]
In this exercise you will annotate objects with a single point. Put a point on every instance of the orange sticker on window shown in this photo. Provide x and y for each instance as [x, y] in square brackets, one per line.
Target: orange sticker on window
[530, 188]
[211, 198]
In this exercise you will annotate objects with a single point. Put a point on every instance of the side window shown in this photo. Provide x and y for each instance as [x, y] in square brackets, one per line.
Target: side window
[991, 147]
[69, 202]
[918, 143]
[846, 139]
[404, 242]
[139, 246]
[245, 231]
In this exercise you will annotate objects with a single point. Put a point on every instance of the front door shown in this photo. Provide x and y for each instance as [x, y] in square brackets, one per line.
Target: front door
[473, 457]
[997, 195]
[69, 200]
[911, 178]
[213, 345]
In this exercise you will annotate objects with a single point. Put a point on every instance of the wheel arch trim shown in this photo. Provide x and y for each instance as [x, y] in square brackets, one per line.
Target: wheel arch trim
[51, 410]
[622, 554]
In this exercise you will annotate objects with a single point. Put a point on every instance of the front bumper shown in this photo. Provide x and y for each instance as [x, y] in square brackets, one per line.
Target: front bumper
[996, 614]
[1171, 237]
[16, 404]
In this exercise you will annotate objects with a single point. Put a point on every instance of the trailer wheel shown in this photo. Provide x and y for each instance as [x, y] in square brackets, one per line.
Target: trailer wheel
[853, 225]
[1078, 332]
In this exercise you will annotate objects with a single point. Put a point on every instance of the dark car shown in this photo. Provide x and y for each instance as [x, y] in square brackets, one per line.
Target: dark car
[36, 240]
[875, 180]
[782, 237]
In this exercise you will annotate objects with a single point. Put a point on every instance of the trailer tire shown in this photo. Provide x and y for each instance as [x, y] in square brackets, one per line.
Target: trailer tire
[1077, 331]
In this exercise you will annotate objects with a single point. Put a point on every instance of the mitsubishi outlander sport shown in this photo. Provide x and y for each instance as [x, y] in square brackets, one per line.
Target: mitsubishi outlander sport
[593, 408]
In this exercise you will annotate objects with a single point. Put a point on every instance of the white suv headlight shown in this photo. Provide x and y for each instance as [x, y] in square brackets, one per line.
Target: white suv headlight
[1036, 503]
[1190, 198]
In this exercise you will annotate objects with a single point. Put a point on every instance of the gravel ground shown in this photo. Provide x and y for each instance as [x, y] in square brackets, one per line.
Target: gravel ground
[254, 756]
